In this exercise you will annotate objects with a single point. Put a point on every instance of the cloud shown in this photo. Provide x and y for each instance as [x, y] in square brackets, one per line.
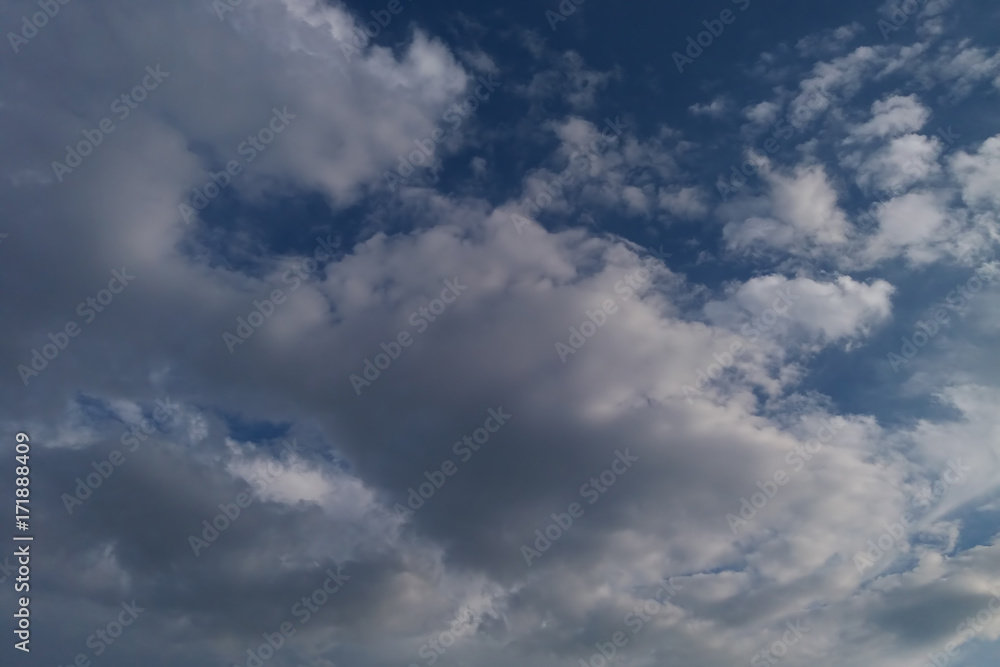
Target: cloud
[763, 113]
[717, 370]
[893, 116]
[829, 42]
[905, 161]
[912, 223]
[568, 79]
[979, 174]
[816, 311]
[686, 202]
[714, 109]
[837, 79]
[799, 214]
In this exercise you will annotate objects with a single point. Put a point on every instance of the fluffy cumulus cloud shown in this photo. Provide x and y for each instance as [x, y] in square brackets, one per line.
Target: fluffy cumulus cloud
[799, 212]
[806, 308]
[894, 115]
[979, 174]
[906, 160]
[403, 335]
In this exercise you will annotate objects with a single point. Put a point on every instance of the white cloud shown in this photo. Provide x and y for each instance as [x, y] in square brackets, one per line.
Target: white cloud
[832, 81]
[893, 116]
[717, 108]
[829, 42]
[978, 174]
[686, 202]
[905, 161]
[763, 113]
[816, 312]
[801, 214]
[911, 224]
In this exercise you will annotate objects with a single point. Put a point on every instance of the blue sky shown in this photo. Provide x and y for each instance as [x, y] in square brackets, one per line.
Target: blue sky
[382, 313]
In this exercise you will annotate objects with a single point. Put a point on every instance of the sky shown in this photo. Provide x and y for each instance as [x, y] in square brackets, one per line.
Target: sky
[412, 333]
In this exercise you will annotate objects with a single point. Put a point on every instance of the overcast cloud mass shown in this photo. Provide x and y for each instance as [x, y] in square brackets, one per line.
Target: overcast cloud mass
[414, 333]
